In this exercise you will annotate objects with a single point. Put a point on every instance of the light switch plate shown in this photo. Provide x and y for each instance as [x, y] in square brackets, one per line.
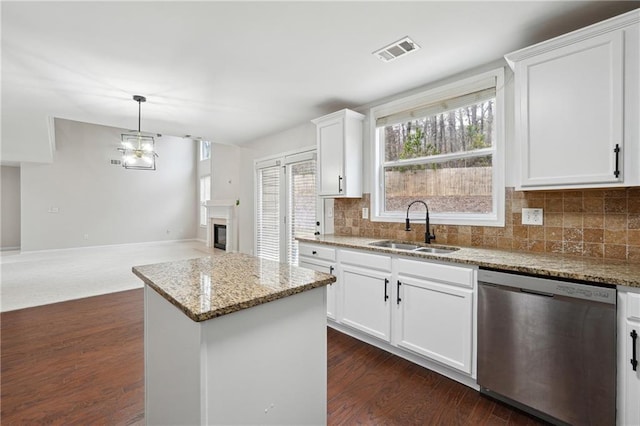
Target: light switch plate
[532, 216]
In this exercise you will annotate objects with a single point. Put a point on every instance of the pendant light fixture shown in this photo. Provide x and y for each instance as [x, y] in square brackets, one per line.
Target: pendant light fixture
[138, 150]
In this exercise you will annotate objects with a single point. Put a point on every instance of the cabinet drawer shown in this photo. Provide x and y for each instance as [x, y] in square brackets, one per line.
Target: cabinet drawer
[317, 252]
[633, 306]
[435, 271]
[366, 260]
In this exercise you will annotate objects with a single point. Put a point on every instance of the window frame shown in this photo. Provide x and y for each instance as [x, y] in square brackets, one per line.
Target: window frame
[497, 151]
[202, 203]
[202, 150]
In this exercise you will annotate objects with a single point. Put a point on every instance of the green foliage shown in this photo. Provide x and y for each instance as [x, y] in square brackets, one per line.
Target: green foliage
[476, 137]
[416, 146]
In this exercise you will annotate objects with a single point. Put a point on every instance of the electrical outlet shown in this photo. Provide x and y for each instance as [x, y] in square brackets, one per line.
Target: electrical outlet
[532, 216]
[365, 213]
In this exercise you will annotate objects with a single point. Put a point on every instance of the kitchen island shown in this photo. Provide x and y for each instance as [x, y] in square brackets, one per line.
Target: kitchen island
[234, 339]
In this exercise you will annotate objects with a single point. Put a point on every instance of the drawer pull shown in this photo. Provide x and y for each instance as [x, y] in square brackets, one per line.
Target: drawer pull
[314, 252]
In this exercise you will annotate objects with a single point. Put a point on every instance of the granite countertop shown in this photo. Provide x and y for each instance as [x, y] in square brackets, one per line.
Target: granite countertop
[209, 287]
[604, 271]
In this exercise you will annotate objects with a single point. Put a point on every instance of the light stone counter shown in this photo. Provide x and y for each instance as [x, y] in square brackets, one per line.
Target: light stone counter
[213, 286]
[226, 356]
[604, 271]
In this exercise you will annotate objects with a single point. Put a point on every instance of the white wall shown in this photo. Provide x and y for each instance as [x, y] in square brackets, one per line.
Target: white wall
[99, 203]
[10, 207]
[223, 166]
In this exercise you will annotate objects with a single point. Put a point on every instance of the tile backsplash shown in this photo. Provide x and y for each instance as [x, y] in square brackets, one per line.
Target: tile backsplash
[599, 223]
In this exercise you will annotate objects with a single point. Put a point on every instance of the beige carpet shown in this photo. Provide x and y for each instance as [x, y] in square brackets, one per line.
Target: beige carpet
[43, 277]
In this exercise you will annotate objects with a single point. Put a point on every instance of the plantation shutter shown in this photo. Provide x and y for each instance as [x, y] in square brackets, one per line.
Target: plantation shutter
[268, 211]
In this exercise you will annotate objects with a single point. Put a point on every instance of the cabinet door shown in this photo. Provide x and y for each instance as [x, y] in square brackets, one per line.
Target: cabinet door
[571, 113]
[366, 301]
[330, 157]
[436, 320]
[631, 377]
[327, 268]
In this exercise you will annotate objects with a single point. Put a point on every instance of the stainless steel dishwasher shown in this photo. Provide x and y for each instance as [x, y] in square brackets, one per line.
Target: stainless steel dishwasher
[548, 347]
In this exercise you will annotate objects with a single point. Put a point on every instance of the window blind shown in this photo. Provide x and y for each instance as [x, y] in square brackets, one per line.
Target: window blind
[301, 202]
[437, 107]
[268, 212]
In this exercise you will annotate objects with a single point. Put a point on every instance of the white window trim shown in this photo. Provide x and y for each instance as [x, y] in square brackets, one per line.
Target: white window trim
[281, 159]
[497, 218]
[203, 203]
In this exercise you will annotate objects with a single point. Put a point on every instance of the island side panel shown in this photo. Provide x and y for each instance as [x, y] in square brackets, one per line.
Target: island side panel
[172, 364]
[268, 364]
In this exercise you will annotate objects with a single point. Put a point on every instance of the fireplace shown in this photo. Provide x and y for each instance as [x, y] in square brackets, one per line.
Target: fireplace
[220, 236]
[222, 212]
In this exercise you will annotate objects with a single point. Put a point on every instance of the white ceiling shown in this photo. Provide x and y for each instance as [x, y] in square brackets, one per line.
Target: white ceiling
[231, 72]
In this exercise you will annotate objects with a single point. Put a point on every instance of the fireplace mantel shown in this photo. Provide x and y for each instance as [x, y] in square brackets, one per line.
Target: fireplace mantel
[223, 211]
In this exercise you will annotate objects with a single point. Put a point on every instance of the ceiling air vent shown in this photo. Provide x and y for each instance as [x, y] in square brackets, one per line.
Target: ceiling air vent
[396, 49]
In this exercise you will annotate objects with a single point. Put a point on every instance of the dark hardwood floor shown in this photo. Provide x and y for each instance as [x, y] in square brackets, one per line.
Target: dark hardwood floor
[82, 362]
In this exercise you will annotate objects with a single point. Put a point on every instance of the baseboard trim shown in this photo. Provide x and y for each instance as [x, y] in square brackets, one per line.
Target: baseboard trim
[186, 240]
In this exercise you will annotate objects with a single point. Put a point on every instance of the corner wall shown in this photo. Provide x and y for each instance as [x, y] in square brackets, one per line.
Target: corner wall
[83, 200]
[10, 208]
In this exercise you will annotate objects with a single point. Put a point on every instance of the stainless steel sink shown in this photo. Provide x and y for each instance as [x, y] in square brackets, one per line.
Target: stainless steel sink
[412, 247]
[394, 245]
[435, 250]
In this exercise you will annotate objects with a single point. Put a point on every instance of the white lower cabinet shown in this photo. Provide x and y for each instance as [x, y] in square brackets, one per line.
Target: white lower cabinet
[321, 259]
[628, 358]
[365, 301]
[435, 320]
[366, 304]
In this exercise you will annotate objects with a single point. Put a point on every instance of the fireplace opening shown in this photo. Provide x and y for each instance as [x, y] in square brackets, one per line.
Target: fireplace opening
[220, 236]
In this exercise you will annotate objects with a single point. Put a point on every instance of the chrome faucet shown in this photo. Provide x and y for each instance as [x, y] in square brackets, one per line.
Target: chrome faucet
[427, 236]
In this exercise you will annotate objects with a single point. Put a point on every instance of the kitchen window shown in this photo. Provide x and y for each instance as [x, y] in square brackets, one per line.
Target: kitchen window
[445, 147]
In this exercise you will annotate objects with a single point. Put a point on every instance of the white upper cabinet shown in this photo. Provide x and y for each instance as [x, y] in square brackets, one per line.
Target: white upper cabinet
[577, 114]
[339, 139]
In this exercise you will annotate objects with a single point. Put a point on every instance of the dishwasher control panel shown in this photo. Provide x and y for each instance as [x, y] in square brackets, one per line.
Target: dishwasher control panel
[548, 286]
